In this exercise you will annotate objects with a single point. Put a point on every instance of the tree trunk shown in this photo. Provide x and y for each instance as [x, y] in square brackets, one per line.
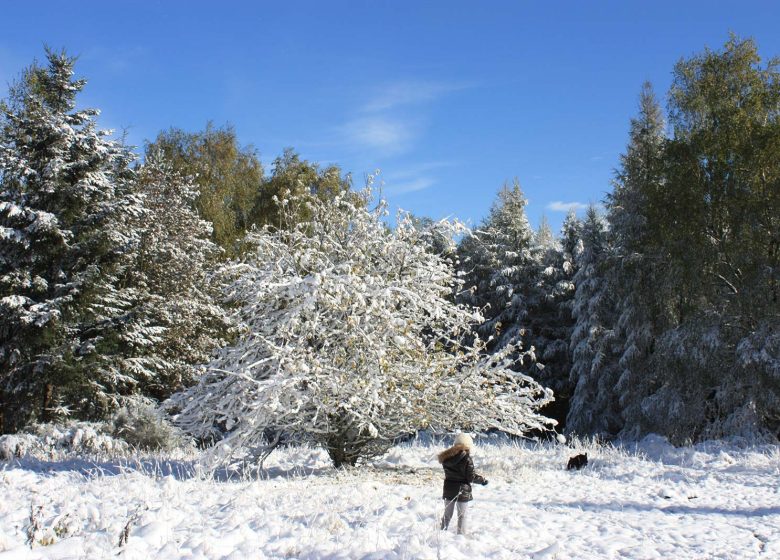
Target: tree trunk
[48, 394]
[341, 450]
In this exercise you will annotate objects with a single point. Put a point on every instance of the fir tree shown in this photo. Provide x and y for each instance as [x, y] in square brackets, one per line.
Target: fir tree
[64, 225]
[500, 266]
[593, 408]
[177, 321]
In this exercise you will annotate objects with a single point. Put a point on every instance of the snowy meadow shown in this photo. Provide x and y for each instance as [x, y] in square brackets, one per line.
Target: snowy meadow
[647, 500]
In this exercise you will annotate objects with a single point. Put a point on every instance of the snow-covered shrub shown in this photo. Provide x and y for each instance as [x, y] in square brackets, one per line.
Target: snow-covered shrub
[141, 425]
[15, 445]
[51, 441]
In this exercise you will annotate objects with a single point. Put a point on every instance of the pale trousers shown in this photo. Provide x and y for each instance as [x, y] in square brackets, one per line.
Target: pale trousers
[449, 509]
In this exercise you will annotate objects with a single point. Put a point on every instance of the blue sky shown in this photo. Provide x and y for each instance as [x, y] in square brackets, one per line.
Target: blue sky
[449, 99]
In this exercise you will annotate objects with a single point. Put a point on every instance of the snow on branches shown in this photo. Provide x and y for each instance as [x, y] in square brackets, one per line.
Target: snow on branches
[351, 339]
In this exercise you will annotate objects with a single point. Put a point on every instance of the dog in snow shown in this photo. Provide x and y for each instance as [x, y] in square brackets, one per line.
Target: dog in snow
[577, 462]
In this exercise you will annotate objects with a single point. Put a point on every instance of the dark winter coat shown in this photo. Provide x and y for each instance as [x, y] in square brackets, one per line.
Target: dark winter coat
[458, 473]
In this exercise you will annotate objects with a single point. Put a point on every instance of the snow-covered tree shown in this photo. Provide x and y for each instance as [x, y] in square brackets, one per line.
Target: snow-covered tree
[350, 340]
[543, 236]
[593, 406]
[640, 287]
[176, 321]
[717, 220]
[64, 225]
[695, 220]
[500, 266]
[550, 320]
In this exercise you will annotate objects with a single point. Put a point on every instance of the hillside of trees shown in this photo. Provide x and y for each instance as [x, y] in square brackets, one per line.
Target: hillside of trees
[270, 304]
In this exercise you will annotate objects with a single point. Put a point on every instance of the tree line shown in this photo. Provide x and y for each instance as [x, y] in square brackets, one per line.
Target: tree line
[658, 313]
[106, 263]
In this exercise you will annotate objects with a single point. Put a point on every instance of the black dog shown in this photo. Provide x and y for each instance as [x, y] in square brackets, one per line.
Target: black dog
[577, 462]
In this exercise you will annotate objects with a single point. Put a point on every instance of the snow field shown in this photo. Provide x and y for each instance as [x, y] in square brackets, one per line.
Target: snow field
[650, 501]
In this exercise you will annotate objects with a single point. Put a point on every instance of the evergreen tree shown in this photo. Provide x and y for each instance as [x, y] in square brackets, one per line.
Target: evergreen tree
[550, 315]
[716, 222]
[695, 218]
[594, 345]
[177, 321]
[500, 268]
[64, 225]
[640, 285]
[543, 236]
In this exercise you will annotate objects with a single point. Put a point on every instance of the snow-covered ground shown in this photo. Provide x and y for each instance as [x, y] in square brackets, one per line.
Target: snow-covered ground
[650, 501]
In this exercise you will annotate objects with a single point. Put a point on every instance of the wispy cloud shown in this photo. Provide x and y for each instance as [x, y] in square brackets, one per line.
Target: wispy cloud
[412, 178]
[392, 188]
[384, 134]
[393, 117]
[559, 206]
[419, 168]
[398, 94]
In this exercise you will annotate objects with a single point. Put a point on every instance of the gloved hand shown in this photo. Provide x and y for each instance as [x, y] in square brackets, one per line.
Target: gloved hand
[484, 482]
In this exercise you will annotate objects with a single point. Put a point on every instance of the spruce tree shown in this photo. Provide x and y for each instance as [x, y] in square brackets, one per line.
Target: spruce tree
[640, 285]
[550, 321]
[594, 345]
[177, 319]
[500, 267]
[65, 205]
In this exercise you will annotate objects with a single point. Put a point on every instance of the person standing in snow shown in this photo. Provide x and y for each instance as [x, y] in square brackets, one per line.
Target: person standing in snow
[458, 476]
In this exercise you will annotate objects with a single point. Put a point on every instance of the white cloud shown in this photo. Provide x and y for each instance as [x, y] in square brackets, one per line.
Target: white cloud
[418, 184]
[558, 206]
[409, 93]
[385, 134]
[386, 124]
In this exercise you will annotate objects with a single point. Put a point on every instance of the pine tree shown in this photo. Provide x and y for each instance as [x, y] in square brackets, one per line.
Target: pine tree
[64, 224]
[177, 321]
[500, 268]
[594, 345]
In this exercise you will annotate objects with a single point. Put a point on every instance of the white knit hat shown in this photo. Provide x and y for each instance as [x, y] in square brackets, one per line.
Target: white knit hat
[464, 440]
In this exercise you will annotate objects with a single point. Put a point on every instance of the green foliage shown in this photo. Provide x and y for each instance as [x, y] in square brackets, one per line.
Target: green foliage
[695, 223]
[233, 192]
[295, 179]
[64, 207]
[229, 177]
